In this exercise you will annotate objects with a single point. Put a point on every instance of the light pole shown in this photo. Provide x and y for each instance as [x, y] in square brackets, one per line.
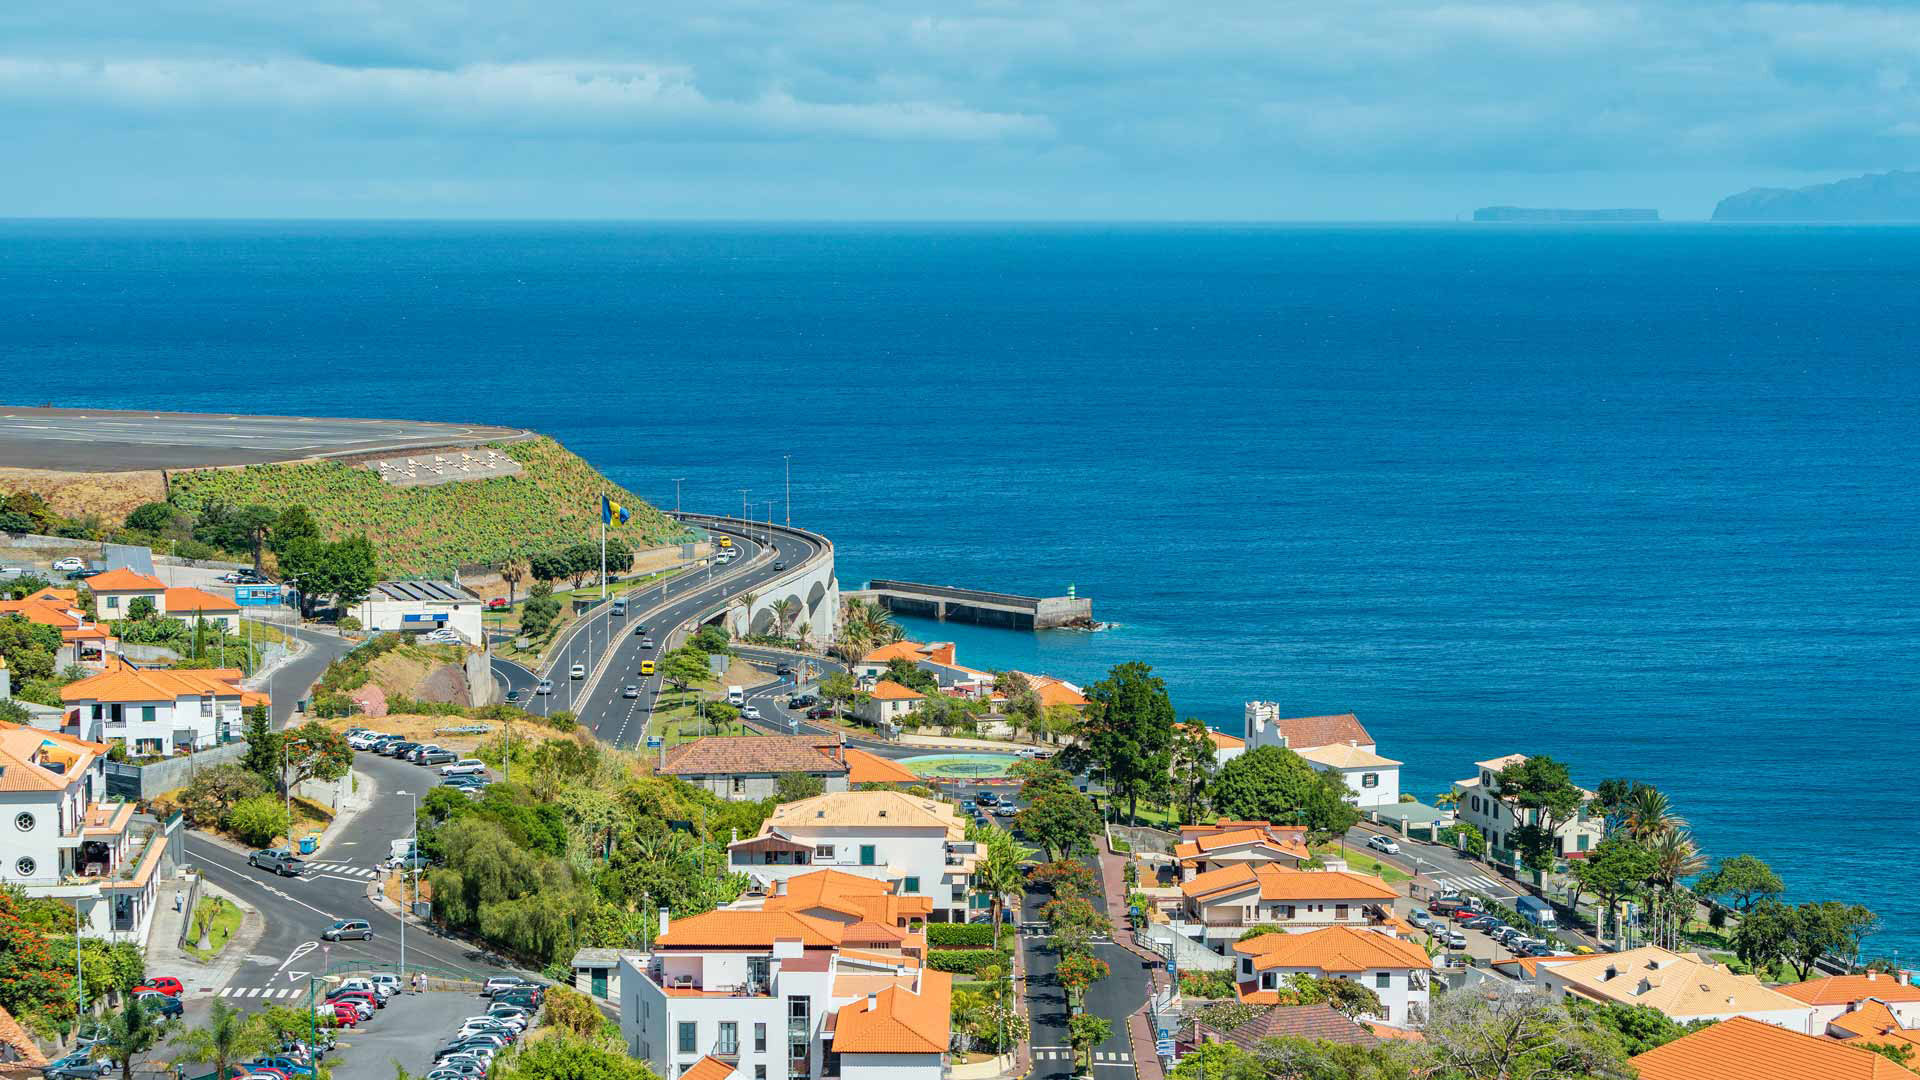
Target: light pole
[789, 506]
[412, 851]
[676, 495]
[743, 502]
[770, 503]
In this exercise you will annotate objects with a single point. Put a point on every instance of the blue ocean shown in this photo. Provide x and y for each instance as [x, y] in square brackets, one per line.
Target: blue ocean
[1640, 498]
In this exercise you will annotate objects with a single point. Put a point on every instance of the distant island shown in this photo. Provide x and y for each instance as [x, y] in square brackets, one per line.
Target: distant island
[1554, 215]
[1891, 196]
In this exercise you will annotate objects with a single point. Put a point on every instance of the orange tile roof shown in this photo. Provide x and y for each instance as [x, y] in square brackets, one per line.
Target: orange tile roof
[834, 890]
[866, 767]
[708, 1068]
[899, 1021]
[123, 684]
[1874, 1022]
[1847, 989]
[1286, 883]
[122, 579]
[69, 597]
[23, 749]
[888, 690]
[727, 928]
[1052, 691]
[1334, 949]
[1746, 1049]
[1198, 840]
[899, 650]
[26, 1052]
[1304, 731]
[184, 599]
[43, 612]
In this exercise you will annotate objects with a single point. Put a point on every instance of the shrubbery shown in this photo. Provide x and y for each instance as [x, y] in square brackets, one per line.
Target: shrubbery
[959, 934]
[966, 961]
[256, 820]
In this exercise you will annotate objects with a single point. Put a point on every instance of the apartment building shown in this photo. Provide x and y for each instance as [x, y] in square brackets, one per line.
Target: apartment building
[158, 711]
[1481, 806]
[1227, 843]
[1396, 970]
[1220, 905]
[918, 845]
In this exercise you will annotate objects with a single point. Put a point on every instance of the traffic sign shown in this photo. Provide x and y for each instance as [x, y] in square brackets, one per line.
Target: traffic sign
[654, 742]
[1169, 967]
[1164, 1048]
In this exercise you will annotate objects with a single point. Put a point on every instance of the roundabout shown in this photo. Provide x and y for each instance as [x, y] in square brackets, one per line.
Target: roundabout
[960, 766]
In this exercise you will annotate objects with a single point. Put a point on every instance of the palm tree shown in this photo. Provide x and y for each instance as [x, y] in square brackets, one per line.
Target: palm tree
[1675, 857]
[1649, 813]
[785, 610]
[513, 571]
[130, 1033]
[969, 1013]
[999, 873]
[226, 1038]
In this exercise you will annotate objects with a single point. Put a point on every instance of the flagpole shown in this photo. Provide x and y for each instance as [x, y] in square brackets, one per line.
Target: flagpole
[604, 511]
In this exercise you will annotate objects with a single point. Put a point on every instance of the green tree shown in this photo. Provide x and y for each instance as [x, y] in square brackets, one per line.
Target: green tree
[684, 667]
[1765, 935]
[837, 689]
[711, 639]
[32, 979]
[215, 790]
[1518, 1034]
[569, 1057]
[294, 525]
[1086, 1031]
[1545, 787]
[1639, 1028]
[28, 647]
[263, 745]
[1062, 823]
[913, 677]
[141, 609]
[794, 786]
[312, 751]
[998, 872]
[1344, 996]
[1271, 783]
[1610, 801]
[1193, 767]
[1077, 971]
[1128, 731]
[1649, 813]
[343, 571]
[153, 517]
[258, 820]
[1743, 880]
[226, 1039]
[1827, 927]
[1618, 867]
[130, 1033]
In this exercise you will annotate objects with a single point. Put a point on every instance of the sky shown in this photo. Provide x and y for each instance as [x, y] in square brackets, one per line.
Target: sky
[1272, 110]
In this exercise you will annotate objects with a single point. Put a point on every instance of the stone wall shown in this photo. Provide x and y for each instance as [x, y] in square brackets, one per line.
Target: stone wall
[141, 782]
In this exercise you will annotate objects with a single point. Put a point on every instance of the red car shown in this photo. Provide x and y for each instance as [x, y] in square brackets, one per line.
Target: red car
[1465, 913]
[497, 603]
[371, 1000]
[343, 1014]
[164, 984]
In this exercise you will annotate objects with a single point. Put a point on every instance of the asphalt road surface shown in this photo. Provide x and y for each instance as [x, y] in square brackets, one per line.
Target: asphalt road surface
[104, 440]
[1116, 997]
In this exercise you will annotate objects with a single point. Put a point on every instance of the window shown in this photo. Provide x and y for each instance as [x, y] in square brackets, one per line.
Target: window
[24, 867]
[913, 885]
[1383, 979]
[760, 1039]
[1286, 911]
[1582, 841]
[146, 714]
[823, 851]
[759, 1072]
[868, 855]
[729, 1044]
[113, 603]
[1371, 779]
[23, 822]
[1340, 912]
[739, 784]
[206, 705]
[689, 1036]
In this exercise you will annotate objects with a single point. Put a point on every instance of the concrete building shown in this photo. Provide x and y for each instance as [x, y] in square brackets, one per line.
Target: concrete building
[1835, 997]
[64, 840]
[82, 641]
[747, 768]
[1203, 848]
[777, 995]
[886, 704]
[158, 711]
[919, 845]
[936, 659]
[1222, 904]
[1481, 806]
[115, 591]
[1743, 1049]
[1398, 971]
[1680, 985]
[1374, 780]
[1266, 727]
[421, 606]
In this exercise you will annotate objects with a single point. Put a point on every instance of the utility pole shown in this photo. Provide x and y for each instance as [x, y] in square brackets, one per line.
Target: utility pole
[411, 851]
[676, 495]
[789, 505]
[743, 503]
[770, 503]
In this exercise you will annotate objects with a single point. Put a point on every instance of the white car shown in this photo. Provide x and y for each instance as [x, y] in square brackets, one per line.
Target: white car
[1381, 843]
[464, 767]
[69, 564]
[577, 671]
[750, 712]
[8, 573]
[544, 686]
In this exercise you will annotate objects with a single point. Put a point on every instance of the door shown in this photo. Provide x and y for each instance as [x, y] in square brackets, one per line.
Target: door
[600, 983]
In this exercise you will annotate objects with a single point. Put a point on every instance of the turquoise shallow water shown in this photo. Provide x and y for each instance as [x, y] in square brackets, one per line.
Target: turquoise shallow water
[1639, 498]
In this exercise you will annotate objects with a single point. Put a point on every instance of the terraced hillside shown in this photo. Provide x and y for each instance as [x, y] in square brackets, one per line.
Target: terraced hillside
[554, 502]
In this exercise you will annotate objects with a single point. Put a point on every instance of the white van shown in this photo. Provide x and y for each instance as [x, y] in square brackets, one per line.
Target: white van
[736, 695]
[400, 849]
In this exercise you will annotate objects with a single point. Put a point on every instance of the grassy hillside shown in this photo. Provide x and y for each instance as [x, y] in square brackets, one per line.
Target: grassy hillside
[554, 502]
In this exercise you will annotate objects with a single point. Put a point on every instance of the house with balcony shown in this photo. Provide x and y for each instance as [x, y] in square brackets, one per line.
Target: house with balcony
[158, 711]
[1683, 986]
[780, 995]
[1220, 905]
[747, 768]
[936, 660]
[1481, 806]
[1396, 970]
[918, 845]
[64, 840]
[82, 641]
[1227, 843]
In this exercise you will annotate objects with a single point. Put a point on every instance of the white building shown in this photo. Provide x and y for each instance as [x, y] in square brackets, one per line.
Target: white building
[1374, 780]
[1481, 806]
[115, 591]
[1220, 905]
[778, 995]
[1396, 970]
[918, 844]
[887, 703]
[1834, 997]
[419, 606]
[1680, 985]
[64, 841]
[158, 711]
[936, 659]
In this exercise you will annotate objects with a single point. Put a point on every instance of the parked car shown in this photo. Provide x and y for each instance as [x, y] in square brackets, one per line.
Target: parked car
[161, 1005]
[162, 984]
[820, 712]
[77, 1065]
[802, 701]
[1383, 843]
[69, 563]
[1419, 918]
[1005, 810]
[544, 686]
[362, 983]
[278, 860]
[1482, 922]
[464, 781]
[343, 1013]
[82, 575]
[630, 691]
[1456, 939]
[282, 1063]
[343, 929]
[443, 637]
[498, 603]
[1464, 914]
[987, 798]
[399, 749]
[387, 979]
[471, 766]
[9, 573]
[364, 997]
[577, 671]
[439, 757]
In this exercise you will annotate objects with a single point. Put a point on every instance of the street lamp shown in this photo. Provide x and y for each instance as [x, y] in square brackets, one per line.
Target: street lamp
[411, 856]
[789, 502]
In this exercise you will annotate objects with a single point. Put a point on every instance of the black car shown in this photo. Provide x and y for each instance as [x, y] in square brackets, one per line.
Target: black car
[160, 1004]
[820, 712]
[516, 695]
[778, 565]
[802, 701]
[399, 749]
[82, 575]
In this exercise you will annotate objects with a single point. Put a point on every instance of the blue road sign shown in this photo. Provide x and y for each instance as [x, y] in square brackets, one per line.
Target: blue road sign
[654, 741]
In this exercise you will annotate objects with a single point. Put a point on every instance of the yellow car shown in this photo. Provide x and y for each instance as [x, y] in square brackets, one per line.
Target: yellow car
[725, 541]
[1584, 950]
[646, 667]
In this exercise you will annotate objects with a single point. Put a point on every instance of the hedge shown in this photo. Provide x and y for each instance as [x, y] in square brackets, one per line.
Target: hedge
[939, 934]
[966, 961]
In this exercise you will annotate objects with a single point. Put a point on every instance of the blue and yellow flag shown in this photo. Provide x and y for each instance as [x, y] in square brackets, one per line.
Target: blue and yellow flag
[610, 510]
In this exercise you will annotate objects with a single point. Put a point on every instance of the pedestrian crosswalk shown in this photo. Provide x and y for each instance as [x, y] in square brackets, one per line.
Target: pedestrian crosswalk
[1473, 883]
[1100, 1057]
[344, 868]
[258, 991]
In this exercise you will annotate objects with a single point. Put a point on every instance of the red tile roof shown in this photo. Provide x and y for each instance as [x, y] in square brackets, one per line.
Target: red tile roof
[1847, 989]
[1746, 1049]
[708, 1068]
[185, 600]
[1317, 1022]
[122, 579]
[724, 755]
[1305, 731]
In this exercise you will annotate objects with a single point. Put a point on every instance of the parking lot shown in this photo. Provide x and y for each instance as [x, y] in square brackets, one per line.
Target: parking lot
[405, 1033]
